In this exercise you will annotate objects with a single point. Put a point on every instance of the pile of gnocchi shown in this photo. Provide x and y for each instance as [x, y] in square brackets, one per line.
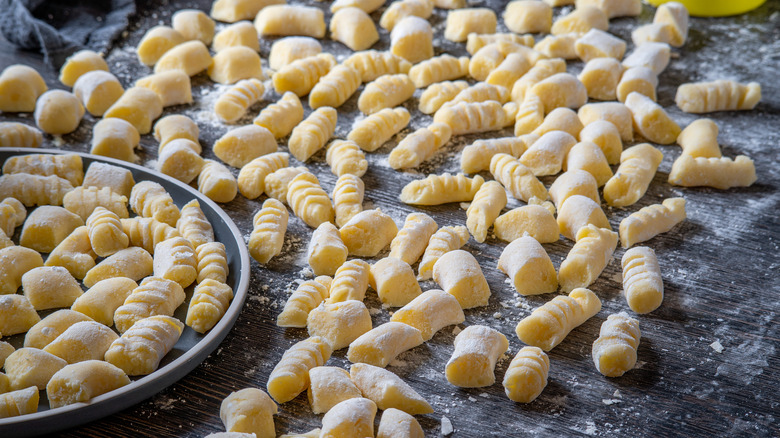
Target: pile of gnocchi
[510, 80]
[135, 269]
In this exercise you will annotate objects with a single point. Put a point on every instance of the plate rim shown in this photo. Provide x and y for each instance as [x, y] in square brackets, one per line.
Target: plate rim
[131, 394]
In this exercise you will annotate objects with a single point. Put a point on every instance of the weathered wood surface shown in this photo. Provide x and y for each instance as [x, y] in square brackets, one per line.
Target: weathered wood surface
[720, 272]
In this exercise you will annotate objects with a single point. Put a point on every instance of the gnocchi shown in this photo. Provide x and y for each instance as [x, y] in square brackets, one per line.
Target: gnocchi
[80, 382]
[134, 263]
[614, 352]
[643, 285]
[544, 329]
[300, 76]
[233, 104]
[484, 209]
[138, 106]
[249, 411]
[463, 21]
[477, 156]
[153, 296]
[354, 28]
[58, 112]
[535, 220]
[419, 146]
[217, 182]
[339, 323]
[20, 87]
[526, 376]
[394, 282]
[286, 50]
[430, 312]
[309, 201]
[473, 363]
[313, 133]
[385, 92]
[335, 88]
[368, 232]
[251, 178]
[652, 220]
[591, 253]
[459, 274]
[721, 95]
[720, 173]
[326, 251]
[210, 301]
[306, 297]
[348, 198]
[270, 225]
[383, 343]
[516, 177]
[378, 128]
[528, 266]
[411, 241]
[444, 240]
[371, 64]
[101, 300]
[290, 376]
[285, 19]
[387, 390]
[193, 225]
[638, 165]
[350, 282]
[328, 387]
[412, 39]
[440, 68]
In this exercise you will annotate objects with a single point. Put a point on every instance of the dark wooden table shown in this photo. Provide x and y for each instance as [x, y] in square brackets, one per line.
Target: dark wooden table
[720, 270]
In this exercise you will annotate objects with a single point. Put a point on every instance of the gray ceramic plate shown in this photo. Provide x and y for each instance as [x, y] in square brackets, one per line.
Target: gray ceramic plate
[192, 348]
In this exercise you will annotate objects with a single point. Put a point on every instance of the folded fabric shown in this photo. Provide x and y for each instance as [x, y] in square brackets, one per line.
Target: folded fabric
[59, 28]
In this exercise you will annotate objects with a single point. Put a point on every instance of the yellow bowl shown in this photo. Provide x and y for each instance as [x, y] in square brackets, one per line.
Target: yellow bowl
[715, 8]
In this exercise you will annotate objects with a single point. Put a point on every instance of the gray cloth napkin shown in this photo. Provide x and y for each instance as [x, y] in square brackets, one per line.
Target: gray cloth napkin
[59, 28]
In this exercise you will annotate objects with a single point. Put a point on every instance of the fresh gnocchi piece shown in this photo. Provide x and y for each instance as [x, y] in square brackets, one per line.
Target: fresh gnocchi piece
[354, 28]
[175, 260]
[652, 33]
[193, 225]
[19, 135]
[561, 90]
[651, 221]
[530, 115]
[20, 87]
[579, 211]
[721, 95]
[34, 189]
[290, 376]
[368, 232]
[411, 241]
[535, 220]
[83, 381]
[249, 411]
[50, 327]
[149, 199]
[473, 363]
[84, 201]
[599, 44]
[176, 127]
[173, 87]
[155, 42]
[241, 33]
[526, 376]
[146, 233]
[19, 402]
[606, 136]
[720, 173]
[614, 112]
[138, 106]
[476, 117]
[560, 119]
[239, 146]
[28, 367]
[601, 77]
[346, 157]
[430, 312]
[47, 226]
[394, 282]
[588, 258]
[335, 88]
[459, 274]
[489, 57]
[270, 225]
[276, 183]
[328, 387]
[643, 285]
[101, 300]
[581, 20]
[419, 146]
[115, 138]
[614, 8]
[675, 15]
[286, 50]
[477, 156]
[67, 166]
[700, 139]
[367, 6]
[529, 267]
[80, 63]
[511, 69]
[134, 263]
[412, 39]
[85, 340]
[97, 90]
[441, 189]
[398, 10]
[180, 159]
[387, 91]
[549, 324]
[475, 41]
[217, 182]
[306, 297]
[233, 64]
[559, 46]
[191, 57]
[461, 22]
[481, 92]
[339, 323]
[350, 282]
[300, 76]
[438, 94]
[141, 348]
[638, 165]
[541, 70]
[654, 56]
[524, 16]
[74, 253]
[286, 20]
[444, 240]
[313, 133]
[387, 390]
[547, 155]
[193, 24]
[449, 4]
[614, 352]
[58, 112]
[588, 156]
[18, 315]
[348, 198]
[640, 80]
[382, 344]
[212, 262]
[371, 64]
[153, 296]
[353, 418]
[309, 201]
[50, 287]
[231, 11]
[12, 214]
[378, 128]
[438, 69]
[326, 252]
[251, 178]
[484, 209]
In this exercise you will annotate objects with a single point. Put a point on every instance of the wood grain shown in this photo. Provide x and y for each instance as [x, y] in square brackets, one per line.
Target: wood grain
[720, 272]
